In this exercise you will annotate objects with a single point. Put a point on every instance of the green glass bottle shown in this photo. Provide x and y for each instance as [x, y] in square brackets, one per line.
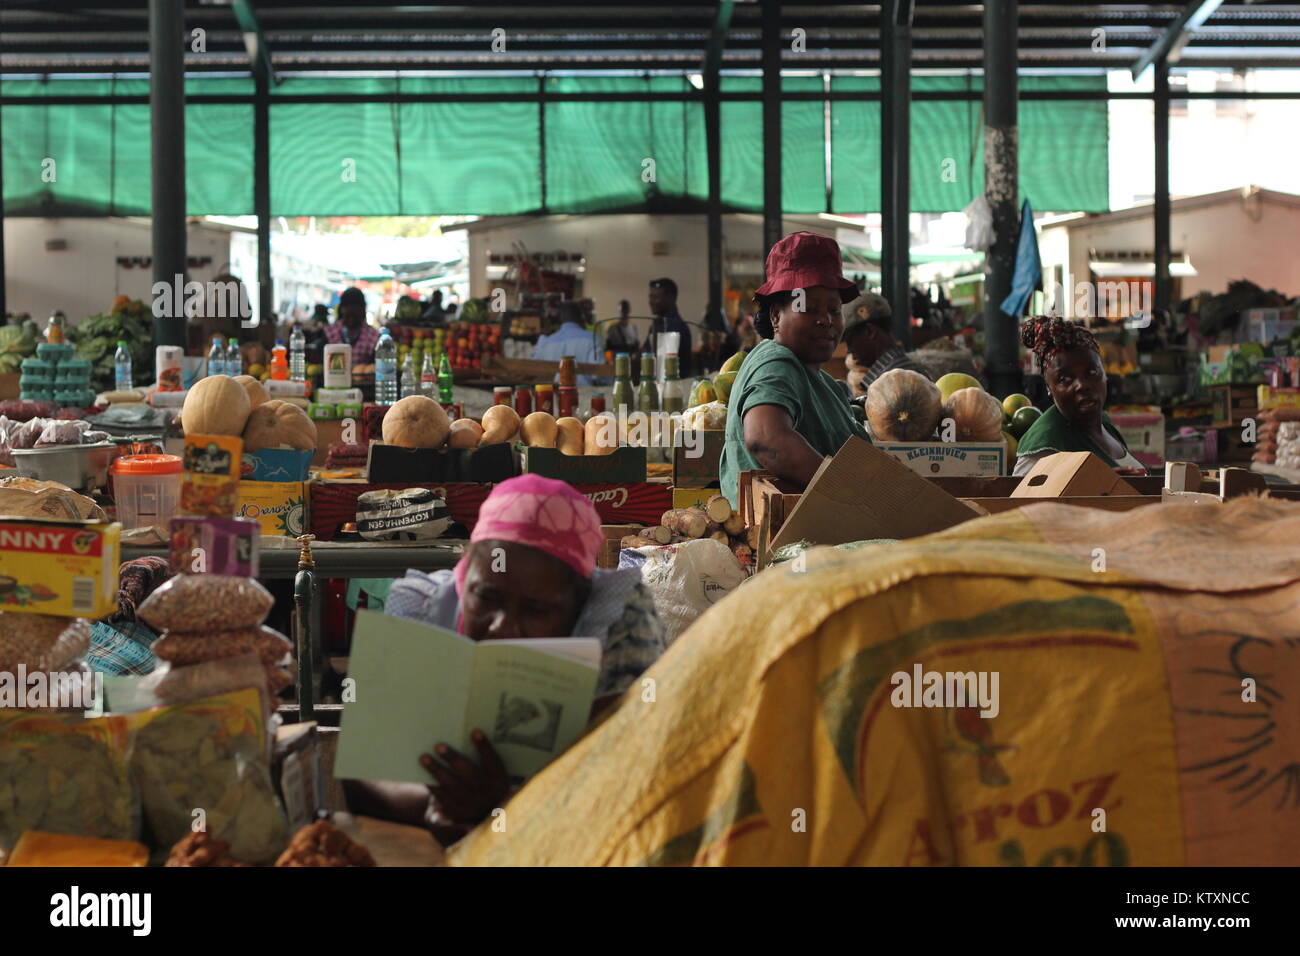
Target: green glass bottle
[674, 396]
[623, 398]
[445, 380]
[647, 398]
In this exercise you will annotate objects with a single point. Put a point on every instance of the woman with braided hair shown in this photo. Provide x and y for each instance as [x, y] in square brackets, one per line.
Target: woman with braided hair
[1071, 364]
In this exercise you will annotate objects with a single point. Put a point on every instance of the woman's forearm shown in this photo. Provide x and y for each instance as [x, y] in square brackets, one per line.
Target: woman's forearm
[786, 454]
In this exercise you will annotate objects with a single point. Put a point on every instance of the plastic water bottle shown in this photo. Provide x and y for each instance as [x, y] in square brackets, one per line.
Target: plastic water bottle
[410, 380]
[217, 357]
[122, 363]
[385, 370]
[297, 355]
[234, 359]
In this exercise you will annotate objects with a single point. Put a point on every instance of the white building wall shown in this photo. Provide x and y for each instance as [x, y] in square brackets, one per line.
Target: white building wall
[84, 278]
[1238, 239]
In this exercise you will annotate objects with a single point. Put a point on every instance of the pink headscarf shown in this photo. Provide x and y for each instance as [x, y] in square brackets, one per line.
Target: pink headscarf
[543, 514]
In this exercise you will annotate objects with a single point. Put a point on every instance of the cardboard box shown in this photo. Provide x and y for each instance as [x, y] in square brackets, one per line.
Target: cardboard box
[56, 566]
[334, 503]
[279, 507]
[210, 486]
[1143, 433]
[393, 463]
[950, 459]
[862, 492]
[698, 466]
[624, 465]
[692, 497]
[1268, 399]
[1265, 325]
[1071, 474]
[276, 464]
[215, 546]
[638, 502]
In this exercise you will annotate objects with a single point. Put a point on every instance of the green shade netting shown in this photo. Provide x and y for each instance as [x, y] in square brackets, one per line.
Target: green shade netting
[503, 158]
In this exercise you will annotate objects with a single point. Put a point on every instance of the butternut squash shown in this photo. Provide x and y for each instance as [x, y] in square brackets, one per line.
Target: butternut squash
[465, 433]
[538, 430]
[602, 434]
[500, 424]
[569, 436]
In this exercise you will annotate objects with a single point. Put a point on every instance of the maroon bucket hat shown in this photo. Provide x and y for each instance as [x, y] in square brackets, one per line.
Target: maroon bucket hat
[802, 260]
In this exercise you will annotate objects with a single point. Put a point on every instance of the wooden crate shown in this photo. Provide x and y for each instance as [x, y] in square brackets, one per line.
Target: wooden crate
[1231, 403]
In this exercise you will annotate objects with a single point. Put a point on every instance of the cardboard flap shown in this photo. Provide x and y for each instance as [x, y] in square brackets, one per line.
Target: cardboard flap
[861, 493]
[1075, 474]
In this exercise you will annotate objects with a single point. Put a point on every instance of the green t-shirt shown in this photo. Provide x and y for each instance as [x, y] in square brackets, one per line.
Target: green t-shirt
[773, 375]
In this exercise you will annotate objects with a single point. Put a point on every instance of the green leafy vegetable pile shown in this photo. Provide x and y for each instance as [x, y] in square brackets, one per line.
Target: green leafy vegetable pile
[17, 342]
[96, 340]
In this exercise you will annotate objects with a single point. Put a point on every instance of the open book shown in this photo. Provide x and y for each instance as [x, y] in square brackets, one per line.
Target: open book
[417, 685]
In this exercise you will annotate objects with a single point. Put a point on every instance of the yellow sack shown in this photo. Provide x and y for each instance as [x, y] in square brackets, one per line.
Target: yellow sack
[1146, 665]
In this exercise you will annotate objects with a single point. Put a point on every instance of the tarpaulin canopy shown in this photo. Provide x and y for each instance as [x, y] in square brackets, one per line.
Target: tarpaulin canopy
[487, 157]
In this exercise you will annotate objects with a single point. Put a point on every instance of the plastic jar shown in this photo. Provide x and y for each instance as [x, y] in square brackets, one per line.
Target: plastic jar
[147, 489]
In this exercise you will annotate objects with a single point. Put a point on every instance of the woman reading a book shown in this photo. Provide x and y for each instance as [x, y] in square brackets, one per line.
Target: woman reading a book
[529, 572]
[1076, 380]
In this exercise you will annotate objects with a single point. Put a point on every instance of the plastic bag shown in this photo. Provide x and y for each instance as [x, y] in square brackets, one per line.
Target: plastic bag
[411, 514]
[65, 774]
[269, 645]
[689, 578]
[6, 452]
[41, 641]
[711, 416]
[94, 437]
[61, 433]
[25, 435]
[979, 225]
[210, 755]
[207, 602]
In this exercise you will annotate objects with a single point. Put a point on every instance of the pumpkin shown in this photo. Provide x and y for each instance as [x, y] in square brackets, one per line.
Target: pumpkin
[976, 414]
[903, 405]
[257, 393]
[215, 405]
[416, 421]
[277, 424]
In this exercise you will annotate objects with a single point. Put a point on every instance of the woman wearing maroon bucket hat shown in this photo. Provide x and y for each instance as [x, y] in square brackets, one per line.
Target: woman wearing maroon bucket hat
[785, 414]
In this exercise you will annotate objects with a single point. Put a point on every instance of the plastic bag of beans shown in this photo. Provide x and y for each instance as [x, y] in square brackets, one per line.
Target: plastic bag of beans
[201, 603]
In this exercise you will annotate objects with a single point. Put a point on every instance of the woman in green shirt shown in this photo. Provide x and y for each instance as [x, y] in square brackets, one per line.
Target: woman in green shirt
[1076, 379]
[785, 414]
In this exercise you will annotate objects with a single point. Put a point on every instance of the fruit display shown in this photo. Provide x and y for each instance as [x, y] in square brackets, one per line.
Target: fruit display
[466, 344]
[954, 381]
[1023, 419]
[976, 414]
[903, 405]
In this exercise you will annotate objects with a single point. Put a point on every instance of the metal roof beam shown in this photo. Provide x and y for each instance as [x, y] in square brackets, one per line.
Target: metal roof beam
[1173, 39]
[259, 51]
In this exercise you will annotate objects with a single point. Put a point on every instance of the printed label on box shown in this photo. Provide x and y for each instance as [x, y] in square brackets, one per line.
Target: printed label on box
[278, 506]
[957, 459]
[65, 568]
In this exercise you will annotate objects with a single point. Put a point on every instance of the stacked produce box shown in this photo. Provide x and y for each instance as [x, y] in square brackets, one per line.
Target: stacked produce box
[55, 376]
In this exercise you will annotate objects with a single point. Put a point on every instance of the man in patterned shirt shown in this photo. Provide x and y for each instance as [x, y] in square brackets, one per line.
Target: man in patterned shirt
[873, 350]
[352, 329]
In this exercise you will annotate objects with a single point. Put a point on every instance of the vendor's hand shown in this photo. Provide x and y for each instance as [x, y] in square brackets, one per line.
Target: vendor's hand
[466, 793]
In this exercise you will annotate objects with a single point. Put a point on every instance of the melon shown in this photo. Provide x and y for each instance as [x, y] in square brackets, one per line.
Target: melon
[215, 405]
[416, 421]
[954, 381]
[278, 424]
[257, 393]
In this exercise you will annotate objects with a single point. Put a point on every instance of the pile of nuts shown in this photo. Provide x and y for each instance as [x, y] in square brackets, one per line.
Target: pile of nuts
[202, 849]
[323, 844]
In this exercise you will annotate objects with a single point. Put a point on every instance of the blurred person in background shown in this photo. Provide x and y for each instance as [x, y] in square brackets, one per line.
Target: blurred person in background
[352, 329]
[872, 348]
[621, 336]
[569, 336]
[663, 306]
